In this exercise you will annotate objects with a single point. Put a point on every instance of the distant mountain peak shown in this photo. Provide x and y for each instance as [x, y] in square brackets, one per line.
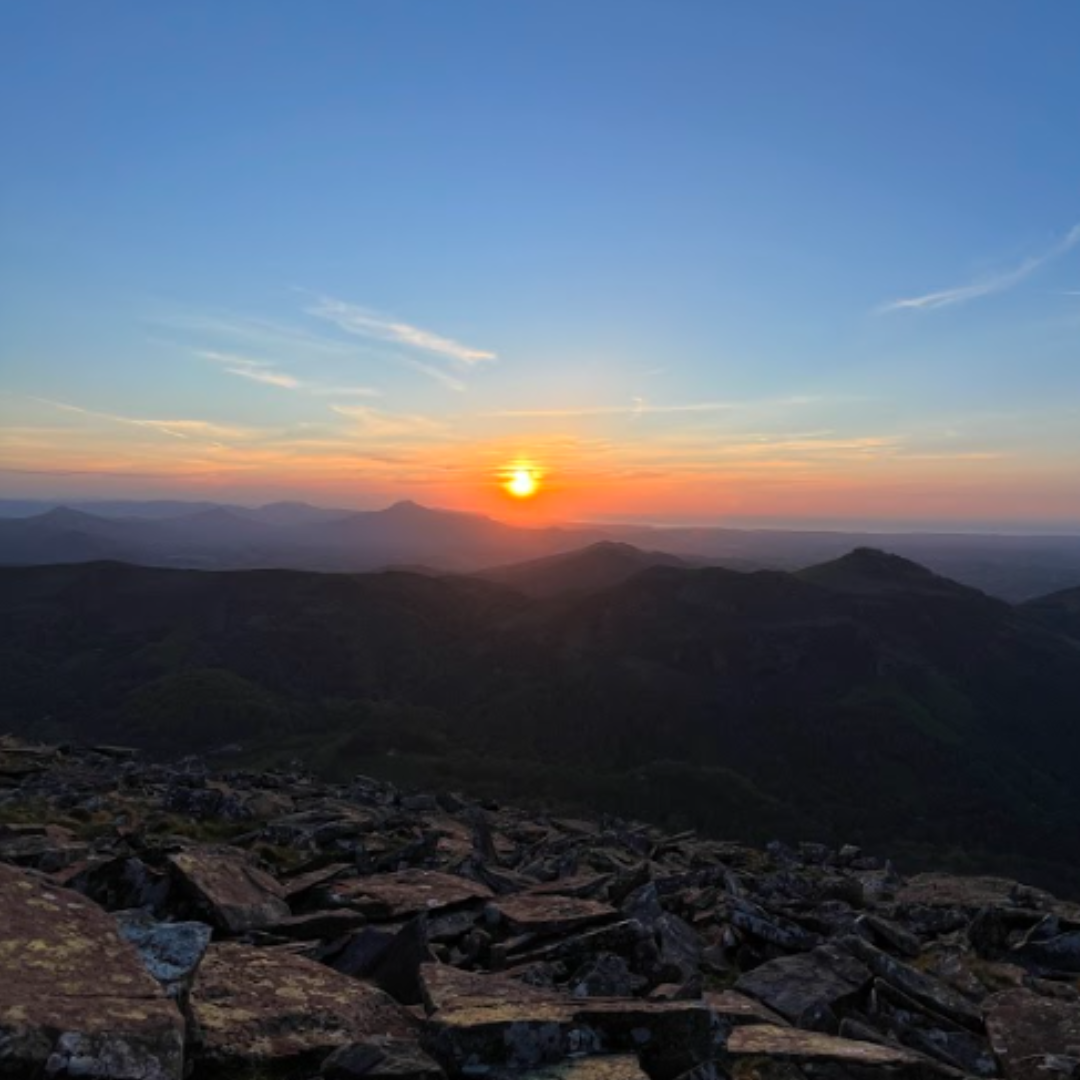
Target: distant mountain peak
[65, 515]
[871, 560]
[868, 569]
[599, 565]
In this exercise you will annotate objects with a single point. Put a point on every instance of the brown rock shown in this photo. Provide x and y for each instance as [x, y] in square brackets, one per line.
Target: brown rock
[490, 1020]
[970, 893]
[539, 914]
[407, 893]
[1035, 1038]
[828, 1055]
[228, 890]
[268, 1011]
[741, 1010]
[74, 997]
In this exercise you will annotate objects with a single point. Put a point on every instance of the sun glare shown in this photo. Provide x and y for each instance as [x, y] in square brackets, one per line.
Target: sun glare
[522, 483]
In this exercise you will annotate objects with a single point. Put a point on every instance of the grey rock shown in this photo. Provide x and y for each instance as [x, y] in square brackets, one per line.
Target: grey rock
[171, 952]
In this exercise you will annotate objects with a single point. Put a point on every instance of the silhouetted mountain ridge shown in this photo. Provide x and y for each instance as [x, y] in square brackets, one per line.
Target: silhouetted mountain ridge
[300, 536]
[930, 716]
[598, 566]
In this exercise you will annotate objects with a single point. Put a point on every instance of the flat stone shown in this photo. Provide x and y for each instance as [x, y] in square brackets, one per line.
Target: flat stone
[672, 1037]
[540, 914]
[495, 1021]
[888, 934]
[228, 890]
[913, 1026]
[80, 1000]
[481, 1022]
[969, 893]
[620, 937]
[406, 893]
[807, 988]
[759, 923]
[1058, 954]
[266, 1011]
[295, 888]
[737, 1008]
[814, 1049]
[934, 995]
[583, 886]
[1035, 1038]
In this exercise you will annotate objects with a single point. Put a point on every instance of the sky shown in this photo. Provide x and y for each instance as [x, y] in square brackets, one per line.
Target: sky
[760, 260]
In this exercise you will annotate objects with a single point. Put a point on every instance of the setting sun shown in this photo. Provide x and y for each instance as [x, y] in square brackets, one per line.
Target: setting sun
[522, 483]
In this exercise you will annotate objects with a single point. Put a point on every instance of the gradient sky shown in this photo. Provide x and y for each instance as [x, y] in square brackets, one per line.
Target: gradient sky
[688, 259]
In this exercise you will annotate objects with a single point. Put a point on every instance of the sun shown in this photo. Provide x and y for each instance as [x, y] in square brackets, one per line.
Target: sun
[522, 483]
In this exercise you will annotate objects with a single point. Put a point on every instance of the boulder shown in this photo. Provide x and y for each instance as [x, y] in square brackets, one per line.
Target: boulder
[809, 989]
[224, 886]
[76, 999]
[406, 893]
[268, 1012]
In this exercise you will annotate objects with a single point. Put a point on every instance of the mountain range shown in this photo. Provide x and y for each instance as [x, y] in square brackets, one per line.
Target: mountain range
[865, 698]
[299, 536]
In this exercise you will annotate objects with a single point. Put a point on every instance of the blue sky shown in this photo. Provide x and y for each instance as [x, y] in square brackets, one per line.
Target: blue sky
[710, 260]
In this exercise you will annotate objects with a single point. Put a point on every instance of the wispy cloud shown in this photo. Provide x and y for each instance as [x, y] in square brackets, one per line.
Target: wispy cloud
[440, 376]
[262, 334]
[997, 283]
[262, 371]
[380, 424]
[177, 429]
[641, 407]
[270, 378]
[256, 370]
[635, 407]
[346, 391]
[369, 324]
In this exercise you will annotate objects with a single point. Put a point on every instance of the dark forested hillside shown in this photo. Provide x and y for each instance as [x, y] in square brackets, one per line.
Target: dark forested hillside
[866, 699]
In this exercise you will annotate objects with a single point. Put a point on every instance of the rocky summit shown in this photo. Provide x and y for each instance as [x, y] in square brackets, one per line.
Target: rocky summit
[165, 921]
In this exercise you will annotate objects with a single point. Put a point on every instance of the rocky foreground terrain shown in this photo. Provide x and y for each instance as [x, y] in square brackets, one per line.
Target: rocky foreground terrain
[162, 921]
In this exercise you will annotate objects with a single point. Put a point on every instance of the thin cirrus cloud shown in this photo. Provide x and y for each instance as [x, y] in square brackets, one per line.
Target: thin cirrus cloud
[378, 424]
[262, 371]
[437, 374]
[256, 370]
[998, 283]
[369, 324]
[640, 407]
[177, 429]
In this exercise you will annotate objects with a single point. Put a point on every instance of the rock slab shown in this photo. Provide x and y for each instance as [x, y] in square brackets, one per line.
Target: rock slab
[75, 998]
